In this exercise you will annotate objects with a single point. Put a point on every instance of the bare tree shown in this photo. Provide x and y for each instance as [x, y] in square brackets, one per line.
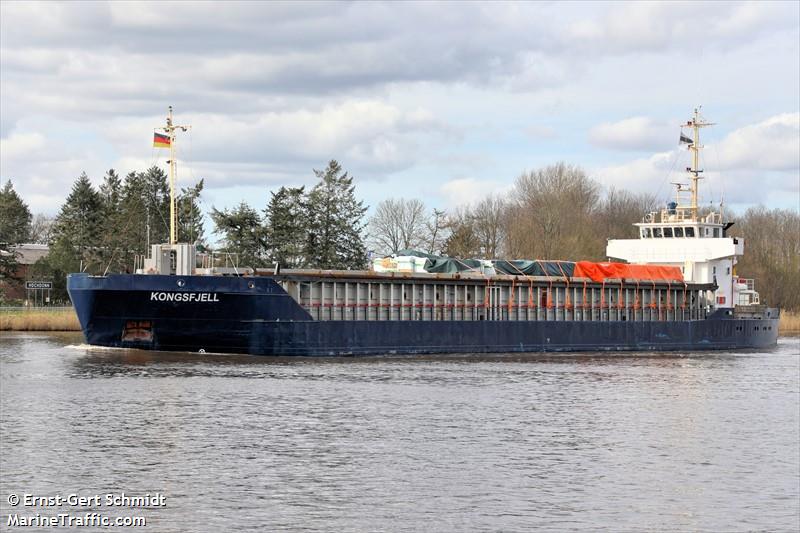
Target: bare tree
[551, 214]
[41, 228]
[462, 241]
[437, 231]
[772, 242]
[619, 210]
[477, 231]
[490, 225]
[399, 224]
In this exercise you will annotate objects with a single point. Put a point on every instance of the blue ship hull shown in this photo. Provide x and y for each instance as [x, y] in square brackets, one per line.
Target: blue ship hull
[254, 315]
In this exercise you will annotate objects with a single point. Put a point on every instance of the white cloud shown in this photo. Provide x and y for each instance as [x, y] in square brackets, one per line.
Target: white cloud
[20, 146]
[644, 174]
[370, 138]
[464, 191]
[637, 133]
[234, 56]
[751, 164]
[399, 93]
[772, 144]
[635, 27]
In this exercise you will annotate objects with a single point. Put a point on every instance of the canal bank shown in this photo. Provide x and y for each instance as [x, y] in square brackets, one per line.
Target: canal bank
[64, 319]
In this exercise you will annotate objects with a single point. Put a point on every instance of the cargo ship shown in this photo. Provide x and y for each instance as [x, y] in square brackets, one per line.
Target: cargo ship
[674, 288]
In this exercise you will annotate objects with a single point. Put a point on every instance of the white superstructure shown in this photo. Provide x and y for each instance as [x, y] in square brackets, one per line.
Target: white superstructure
[679, 236]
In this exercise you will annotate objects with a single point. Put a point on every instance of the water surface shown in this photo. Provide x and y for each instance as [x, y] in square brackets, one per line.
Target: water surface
[667, 442]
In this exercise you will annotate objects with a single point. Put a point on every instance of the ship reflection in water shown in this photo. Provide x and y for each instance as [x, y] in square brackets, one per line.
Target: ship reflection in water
[99, 362]
[670, 442]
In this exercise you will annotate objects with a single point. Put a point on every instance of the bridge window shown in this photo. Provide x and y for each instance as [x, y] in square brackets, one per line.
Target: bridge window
[657, 232]
[679, 232]
[716, 233]
[667, 232]
[648, 233]
[690, 232]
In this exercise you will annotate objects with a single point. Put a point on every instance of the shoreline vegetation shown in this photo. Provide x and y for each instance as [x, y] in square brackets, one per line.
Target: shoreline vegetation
[39, 319]
[557, 211]
[64, 319]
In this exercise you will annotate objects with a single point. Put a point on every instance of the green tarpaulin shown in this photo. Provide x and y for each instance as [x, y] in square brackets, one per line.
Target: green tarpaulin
[448, 265]
[436, 264]
[535, 268]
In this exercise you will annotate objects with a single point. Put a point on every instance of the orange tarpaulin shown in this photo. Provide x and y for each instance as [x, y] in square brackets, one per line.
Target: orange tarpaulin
[603, 271]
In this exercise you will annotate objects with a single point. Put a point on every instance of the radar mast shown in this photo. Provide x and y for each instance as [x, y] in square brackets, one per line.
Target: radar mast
[695, 123]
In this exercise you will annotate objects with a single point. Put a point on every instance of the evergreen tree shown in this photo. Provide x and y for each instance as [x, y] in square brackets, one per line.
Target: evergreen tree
[335, 222]
[156, 198]
[144, 212]
[286, 227]
[190, 217]
[15, 228]
[133, 218]
[49, 268]
[77, 235]
[15, 217]
[113, 247]
[242, 234]
[111, 192]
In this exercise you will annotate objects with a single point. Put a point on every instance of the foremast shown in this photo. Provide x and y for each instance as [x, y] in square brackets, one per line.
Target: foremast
[171, 129]
[170, 258]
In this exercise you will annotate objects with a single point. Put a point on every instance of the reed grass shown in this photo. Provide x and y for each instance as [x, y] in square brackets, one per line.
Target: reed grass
[66, 320]
[790, 323]
[39, 320]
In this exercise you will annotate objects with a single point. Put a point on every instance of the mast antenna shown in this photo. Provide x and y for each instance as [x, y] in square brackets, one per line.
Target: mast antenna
[170, 130]
[696, 123]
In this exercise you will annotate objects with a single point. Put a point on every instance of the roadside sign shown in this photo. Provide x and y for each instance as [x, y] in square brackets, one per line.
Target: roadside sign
[38, 284]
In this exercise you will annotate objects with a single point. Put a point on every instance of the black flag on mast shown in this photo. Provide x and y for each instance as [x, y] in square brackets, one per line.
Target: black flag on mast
[685, 139]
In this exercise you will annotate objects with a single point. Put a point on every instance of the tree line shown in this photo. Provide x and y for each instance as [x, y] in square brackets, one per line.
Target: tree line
[556, 212]
[97, 230]
[559, 212]
[103, 229]
[320, 228]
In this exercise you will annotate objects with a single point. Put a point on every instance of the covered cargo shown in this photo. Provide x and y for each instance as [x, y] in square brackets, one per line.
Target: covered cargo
[525, 267]
[451, 265]
[598, 272]
[603, 271]
[400, 263]
[416, 261]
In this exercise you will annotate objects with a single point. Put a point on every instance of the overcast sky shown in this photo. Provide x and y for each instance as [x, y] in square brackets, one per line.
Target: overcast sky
[440, 101]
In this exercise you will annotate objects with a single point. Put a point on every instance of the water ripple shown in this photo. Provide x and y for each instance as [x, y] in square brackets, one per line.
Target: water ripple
[666, 442]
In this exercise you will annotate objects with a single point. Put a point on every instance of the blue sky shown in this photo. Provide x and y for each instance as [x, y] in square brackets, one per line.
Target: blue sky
[440, 101]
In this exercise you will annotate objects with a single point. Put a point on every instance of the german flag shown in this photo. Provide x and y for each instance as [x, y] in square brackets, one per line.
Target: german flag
[161, 141]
